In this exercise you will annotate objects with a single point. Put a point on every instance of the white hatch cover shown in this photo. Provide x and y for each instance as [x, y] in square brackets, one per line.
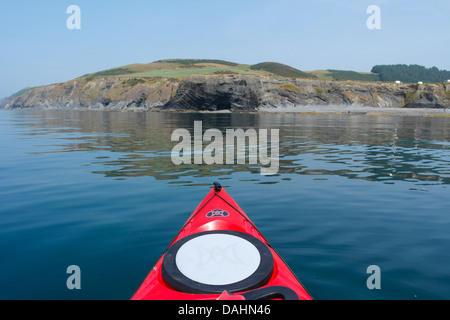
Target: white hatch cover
[218, 259]
[214, 261]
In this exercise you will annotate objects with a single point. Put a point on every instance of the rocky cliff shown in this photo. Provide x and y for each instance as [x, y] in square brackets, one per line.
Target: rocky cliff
[226, 92]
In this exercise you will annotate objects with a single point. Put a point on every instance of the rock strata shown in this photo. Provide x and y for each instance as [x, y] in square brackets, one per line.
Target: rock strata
[226, 92]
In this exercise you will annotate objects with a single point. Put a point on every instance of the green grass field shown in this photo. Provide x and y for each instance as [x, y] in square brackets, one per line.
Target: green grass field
[281, 70]
[181, 73]
[181, 68]
[345, 75]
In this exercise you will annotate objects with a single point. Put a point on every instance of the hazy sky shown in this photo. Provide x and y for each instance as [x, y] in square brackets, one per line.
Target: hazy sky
[38, 48]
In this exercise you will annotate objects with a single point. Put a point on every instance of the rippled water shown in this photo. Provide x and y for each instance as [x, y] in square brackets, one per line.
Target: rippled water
[99, 190]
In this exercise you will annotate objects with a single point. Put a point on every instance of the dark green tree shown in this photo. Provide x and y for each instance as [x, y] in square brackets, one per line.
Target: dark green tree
[410, 73]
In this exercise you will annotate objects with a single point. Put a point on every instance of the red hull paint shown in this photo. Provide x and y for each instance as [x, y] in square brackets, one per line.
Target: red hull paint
[154, 286]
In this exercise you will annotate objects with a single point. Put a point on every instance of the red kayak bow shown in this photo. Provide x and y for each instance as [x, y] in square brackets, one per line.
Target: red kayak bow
[219, 254]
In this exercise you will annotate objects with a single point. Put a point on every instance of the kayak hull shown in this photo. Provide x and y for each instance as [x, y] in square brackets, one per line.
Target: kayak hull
[219, 218]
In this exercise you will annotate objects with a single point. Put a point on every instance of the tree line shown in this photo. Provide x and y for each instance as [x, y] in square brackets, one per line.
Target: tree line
[410, 73]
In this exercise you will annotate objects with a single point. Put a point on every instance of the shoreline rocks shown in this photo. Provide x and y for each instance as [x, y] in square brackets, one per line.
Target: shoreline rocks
[227, 92]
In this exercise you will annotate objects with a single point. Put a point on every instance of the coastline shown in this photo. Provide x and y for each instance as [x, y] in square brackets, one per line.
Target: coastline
[236, 93]
[349, 110]
[359, 110]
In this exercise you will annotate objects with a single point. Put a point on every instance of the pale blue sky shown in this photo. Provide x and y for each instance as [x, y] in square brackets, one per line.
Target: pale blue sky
[38, 49]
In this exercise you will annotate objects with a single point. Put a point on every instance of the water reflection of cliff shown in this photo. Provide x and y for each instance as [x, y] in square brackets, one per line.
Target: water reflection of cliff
[376, 148]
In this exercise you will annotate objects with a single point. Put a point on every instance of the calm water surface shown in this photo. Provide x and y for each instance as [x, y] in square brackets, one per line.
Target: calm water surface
[99, 190]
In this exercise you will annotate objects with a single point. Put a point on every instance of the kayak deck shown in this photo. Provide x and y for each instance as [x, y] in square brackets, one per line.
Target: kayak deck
[220, 254]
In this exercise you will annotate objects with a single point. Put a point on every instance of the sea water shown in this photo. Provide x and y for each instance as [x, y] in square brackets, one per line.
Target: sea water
[99, 190]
